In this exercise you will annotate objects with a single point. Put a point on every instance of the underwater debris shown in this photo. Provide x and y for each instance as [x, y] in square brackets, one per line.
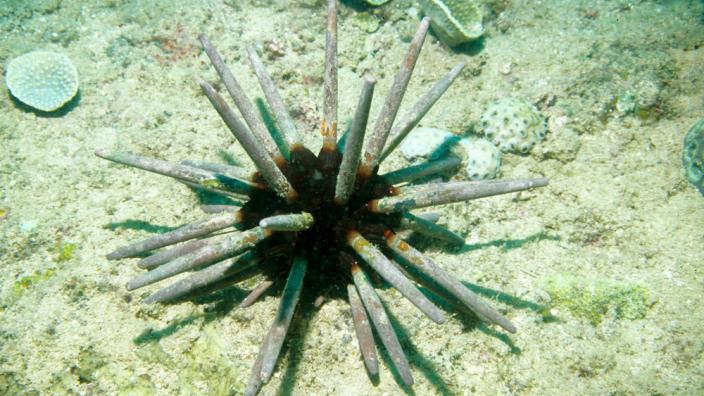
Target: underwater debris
[324, 221]
[43, 80]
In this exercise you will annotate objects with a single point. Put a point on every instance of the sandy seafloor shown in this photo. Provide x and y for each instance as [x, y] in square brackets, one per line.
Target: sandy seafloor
[601, 271]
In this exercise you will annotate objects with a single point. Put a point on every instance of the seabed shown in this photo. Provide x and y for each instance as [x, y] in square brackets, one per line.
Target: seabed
[601, 271]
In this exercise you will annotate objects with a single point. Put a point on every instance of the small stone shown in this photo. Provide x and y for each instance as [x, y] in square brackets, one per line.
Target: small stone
[274, 49]
[43, 80]
[455, 22]
[625, 104]
[506, 68]
[425, 143]
[647, 93]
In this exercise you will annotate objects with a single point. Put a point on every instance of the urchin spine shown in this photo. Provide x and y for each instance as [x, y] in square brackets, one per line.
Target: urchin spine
[224, 248]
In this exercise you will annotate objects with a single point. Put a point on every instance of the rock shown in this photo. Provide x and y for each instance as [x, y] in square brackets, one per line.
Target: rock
[43, 80]
[455, 22]
[513, 124]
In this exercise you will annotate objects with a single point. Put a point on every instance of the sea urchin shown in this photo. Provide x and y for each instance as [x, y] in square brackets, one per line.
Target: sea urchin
[328, 219]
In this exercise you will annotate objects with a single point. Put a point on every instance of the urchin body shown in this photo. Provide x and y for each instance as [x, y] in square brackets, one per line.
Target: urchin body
[306, 219]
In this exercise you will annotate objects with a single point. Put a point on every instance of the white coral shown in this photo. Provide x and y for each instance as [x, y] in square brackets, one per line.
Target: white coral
[42, 79]
[513, 124]
[481, 159]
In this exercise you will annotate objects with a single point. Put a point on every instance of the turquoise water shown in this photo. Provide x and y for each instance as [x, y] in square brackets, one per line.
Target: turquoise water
[600, 271]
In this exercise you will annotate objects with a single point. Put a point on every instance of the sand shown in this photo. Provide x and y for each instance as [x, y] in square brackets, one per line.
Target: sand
[601, 271]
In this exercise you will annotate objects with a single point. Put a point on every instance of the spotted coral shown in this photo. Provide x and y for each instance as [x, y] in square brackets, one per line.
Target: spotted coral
[43, 80]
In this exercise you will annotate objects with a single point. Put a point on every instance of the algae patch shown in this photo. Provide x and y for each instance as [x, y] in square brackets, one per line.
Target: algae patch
[594, 298]
[65, 251]
[28, 281]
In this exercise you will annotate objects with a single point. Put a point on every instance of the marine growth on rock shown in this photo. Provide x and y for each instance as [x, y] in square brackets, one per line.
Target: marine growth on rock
[320, 221]
[693, 155]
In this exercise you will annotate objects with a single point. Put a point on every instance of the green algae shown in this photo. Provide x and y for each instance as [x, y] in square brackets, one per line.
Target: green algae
[65, 251]
[89, 362]
[12, 383]
[594, 298]
[28, 281]
[202, 362]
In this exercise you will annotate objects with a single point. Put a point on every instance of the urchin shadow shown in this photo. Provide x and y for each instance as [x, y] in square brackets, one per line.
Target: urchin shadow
[141, 225]
[509, 244]
[471, 48]
[418, 360]
[58, 113]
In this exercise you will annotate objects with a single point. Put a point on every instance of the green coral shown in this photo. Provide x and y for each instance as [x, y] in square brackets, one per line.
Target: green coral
[593, 298]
